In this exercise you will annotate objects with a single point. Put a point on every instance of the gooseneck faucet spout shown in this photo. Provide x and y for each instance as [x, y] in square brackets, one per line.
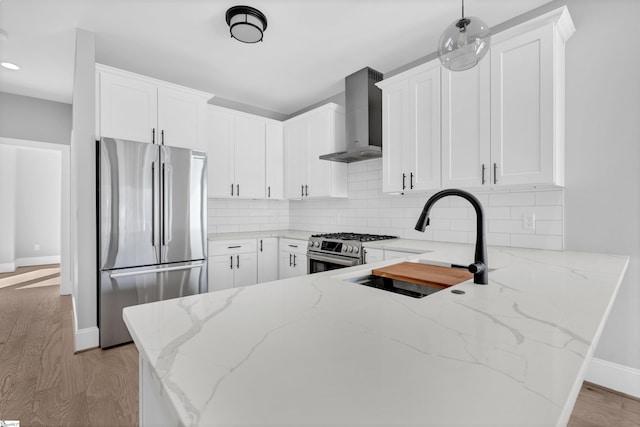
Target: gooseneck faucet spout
[479, 268]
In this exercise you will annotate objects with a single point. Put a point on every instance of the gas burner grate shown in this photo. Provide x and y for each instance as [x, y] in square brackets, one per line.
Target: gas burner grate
[354, 236]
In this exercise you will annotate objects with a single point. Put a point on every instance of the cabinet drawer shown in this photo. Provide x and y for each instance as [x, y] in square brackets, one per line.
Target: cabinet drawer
[294, 246]
[228, 247]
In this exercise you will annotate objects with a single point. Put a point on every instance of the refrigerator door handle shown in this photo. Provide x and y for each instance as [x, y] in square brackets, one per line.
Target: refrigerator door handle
[156, 270]
[169, 196]
[153, 204]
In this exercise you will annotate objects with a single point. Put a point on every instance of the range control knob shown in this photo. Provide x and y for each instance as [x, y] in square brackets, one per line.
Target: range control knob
[316, 244]
[344, 248]
[310, 243]
[356, 249]
[350, 248]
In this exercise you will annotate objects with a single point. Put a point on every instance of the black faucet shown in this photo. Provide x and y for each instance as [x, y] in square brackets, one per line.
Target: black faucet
[479, 268]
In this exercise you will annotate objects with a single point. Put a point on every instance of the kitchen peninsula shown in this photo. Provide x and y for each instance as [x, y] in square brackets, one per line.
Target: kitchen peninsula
[321, 350]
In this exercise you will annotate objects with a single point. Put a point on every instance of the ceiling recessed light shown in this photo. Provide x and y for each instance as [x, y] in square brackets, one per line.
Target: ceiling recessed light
[9, 65]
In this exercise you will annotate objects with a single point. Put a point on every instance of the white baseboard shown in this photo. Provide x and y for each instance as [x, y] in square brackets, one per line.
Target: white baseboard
[85, 338]
[614, 376]
[8, 267]
[40, 260]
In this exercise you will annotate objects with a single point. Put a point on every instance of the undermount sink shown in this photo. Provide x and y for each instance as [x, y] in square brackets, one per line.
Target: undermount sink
[414, 279]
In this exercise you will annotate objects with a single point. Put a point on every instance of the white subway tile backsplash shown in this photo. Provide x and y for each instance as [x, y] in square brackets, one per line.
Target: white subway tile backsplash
[368, 210]
[536, 241]
[512, 199]
[550, 198]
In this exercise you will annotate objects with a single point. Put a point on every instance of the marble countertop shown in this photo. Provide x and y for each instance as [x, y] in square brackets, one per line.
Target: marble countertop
[320, 350]
[289, 234]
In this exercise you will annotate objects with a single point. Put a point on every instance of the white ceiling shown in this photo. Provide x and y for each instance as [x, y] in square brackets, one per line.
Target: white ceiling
[309, 45]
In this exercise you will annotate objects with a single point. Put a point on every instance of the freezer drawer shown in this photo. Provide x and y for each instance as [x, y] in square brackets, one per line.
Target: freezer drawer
[132, 286]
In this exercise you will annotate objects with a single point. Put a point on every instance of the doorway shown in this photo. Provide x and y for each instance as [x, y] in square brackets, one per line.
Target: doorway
[30, 208]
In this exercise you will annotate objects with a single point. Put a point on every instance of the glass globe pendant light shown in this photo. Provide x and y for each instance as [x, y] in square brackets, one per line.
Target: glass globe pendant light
[463, 43]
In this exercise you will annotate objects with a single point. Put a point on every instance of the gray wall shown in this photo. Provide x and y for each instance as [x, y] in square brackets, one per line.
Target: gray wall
[34, 119]
[37, 204]
[602, 196]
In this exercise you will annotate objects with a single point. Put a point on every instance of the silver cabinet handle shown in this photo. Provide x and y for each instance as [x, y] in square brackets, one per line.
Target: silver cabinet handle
[290, 255]
[293, 246]
[232, 190]
[495, 173]
[234, 247]
[404, 177]
[411, 181]
[238, 190]
[306, 190]
[302, 190]
[238, 261]
[483, 170]
[294, 260]
[269, 191]
[153, 135]
[231, 262]
[162, 136]
[260, 245]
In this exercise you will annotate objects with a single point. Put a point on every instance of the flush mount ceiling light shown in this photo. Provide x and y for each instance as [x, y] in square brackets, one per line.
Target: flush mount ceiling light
[246, 24]
[464, 43]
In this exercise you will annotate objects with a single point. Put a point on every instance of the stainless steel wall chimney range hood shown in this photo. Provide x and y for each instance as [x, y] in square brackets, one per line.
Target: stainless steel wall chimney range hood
[363, 116]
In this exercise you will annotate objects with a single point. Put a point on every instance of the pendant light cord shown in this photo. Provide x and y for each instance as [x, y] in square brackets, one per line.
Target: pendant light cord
[462, 9]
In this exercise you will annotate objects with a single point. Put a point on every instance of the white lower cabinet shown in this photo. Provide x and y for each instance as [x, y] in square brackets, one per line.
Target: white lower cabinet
[232, 263]
[267, 259]
[293, 258]
[373, 255]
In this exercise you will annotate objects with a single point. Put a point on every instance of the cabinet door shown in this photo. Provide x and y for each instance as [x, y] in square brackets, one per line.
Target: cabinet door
[421, 156]
[466, 132]
[274, 161]
[220, 129]
[245, 269]
[522, 109]
[181, 119]
[299, 265]
[267, 259]
[249, 175]
[395, 126]
[220, 272]
[373, 255]
[296, 140]
[128, 108]
[285, 266]
[319, 174]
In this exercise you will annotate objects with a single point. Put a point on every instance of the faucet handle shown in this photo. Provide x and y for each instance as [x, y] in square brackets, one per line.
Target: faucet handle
[476, 267]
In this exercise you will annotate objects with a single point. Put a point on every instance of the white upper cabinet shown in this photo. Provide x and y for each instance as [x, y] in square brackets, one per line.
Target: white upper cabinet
[274, 156]
[237, 160]
[466, 132]
[138, 108]
[527, 101]
[306, 137]
[501, 123]
[411, 130]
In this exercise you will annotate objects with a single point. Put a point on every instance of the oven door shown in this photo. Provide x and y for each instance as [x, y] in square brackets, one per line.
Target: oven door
[317, 263]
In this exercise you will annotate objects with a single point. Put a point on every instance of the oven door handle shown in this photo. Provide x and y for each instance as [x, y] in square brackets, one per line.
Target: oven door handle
[340, 261]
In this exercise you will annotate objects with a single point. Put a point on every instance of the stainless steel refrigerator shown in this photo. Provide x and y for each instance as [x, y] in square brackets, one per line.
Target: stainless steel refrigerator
[152, 228]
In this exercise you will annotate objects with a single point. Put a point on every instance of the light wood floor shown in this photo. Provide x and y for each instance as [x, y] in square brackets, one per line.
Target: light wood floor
[43, 383]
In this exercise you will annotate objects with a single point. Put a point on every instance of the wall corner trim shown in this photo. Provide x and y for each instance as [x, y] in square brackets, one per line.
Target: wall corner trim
[86, 338]
[614, 376]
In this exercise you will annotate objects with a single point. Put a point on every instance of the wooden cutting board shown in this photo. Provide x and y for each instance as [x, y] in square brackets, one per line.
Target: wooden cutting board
[424, 274]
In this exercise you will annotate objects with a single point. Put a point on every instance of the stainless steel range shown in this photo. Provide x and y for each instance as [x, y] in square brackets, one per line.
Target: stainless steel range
[338, 250]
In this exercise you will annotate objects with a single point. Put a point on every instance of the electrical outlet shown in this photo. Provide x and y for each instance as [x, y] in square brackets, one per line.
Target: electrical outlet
[530, 221]
[36, 247]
